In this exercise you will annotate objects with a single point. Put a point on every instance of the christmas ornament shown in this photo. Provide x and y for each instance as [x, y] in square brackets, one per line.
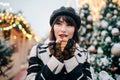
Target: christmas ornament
[89, 35]
[101, 16]
[115, 12]
[110, 5]
[108, 39]
[100, 50]
[82, 15]
[89, 18]
[110, 28]
[104, 61]
[83, 30]
[82, 39]
[95, 43]
[86, 6]
[92, 49]
[103, 75]
[104, 24]
[92, 58]
[104, 33]
[89, 26]
[118, 23]
[114, 17]
[115, 31]
[108, 15]
[115, 50]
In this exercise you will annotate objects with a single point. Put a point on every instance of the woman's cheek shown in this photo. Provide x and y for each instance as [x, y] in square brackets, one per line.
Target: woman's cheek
[71, 34]
[56, 34]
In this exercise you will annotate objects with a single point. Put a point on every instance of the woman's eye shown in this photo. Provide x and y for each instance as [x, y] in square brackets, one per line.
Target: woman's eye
[58, 23]
[69, 25]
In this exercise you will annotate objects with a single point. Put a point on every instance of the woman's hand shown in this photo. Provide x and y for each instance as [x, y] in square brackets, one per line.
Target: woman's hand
[63, 43]
[63, 49]
[69, 49]
[56, 51]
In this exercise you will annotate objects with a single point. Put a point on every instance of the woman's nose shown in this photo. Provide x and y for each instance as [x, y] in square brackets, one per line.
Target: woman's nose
[63, 28]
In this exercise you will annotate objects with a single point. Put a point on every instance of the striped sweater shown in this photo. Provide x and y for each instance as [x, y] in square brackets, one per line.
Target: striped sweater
[44, 66]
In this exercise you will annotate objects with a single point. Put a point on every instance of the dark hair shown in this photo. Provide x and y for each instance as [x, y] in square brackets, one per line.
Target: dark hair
[69, 21]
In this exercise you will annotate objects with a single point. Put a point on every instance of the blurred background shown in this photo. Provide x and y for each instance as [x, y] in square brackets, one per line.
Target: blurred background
[25, 23]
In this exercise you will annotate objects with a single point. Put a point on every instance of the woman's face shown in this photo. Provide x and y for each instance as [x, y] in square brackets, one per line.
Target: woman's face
[63, 30]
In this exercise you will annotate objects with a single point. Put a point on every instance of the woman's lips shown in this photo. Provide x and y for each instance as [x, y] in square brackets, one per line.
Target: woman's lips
[62, 36]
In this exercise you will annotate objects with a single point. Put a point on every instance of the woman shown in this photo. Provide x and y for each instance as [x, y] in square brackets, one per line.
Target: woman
[61, 58]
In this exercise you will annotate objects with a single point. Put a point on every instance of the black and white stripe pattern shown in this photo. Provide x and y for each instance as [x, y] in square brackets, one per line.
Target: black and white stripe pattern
[44, 67]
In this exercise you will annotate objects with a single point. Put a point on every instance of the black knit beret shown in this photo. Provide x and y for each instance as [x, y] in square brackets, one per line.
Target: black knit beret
[69, 11]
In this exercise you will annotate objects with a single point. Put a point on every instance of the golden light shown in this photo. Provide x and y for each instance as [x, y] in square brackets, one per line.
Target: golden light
[20, 27]
[29, 36]
[95, 6]
[13, 25]
[14, 37]
[14, 20]
[23, 31]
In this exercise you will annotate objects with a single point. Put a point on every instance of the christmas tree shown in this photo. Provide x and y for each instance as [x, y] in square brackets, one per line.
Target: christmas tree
[5, 56]
[103, 42]
[86, 25]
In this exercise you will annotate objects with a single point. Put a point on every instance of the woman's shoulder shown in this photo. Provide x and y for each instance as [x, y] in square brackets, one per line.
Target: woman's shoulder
[81, 49]
[33, 51]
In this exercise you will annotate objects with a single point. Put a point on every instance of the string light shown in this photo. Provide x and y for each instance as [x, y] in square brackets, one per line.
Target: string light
[13, 20]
